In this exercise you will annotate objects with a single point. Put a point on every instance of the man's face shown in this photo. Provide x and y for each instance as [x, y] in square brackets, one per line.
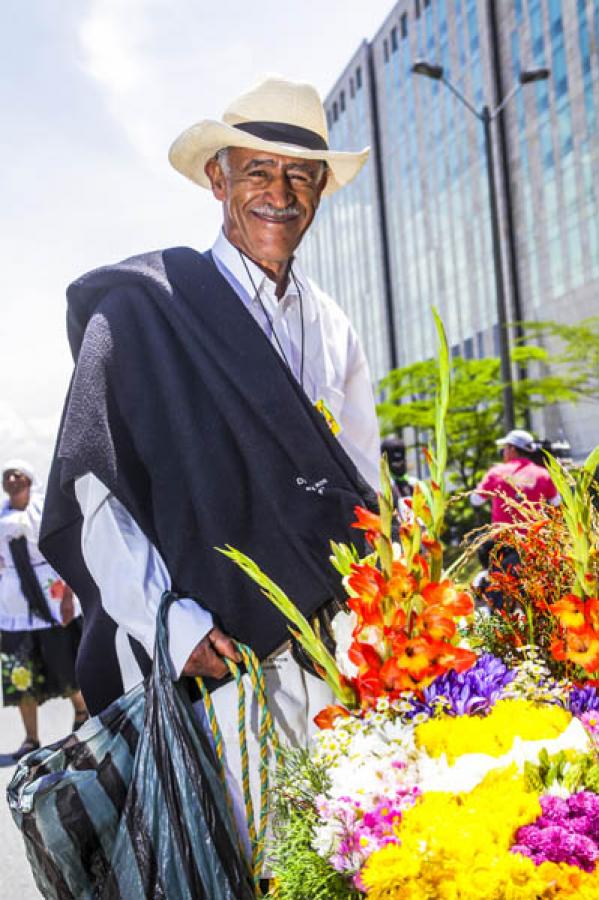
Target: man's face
[268, 202]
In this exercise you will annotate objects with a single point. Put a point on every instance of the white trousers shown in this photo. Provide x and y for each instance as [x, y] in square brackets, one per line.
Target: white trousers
[294, 697]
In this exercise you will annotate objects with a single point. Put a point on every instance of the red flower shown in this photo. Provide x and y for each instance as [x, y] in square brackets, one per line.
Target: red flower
[57, 589]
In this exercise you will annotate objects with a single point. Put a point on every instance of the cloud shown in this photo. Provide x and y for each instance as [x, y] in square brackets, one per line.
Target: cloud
[27, 437]
[112, 46]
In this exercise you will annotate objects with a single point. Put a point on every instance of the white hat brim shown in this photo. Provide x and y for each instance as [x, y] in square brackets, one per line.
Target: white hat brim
[194, 147]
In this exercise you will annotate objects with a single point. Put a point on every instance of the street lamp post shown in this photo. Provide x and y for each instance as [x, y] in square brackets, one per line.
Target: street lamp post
[486, 116]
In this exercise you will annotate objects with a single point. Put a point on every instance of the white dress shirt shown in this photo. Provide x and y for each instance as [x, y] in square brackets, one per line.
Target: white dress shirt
[127, 568]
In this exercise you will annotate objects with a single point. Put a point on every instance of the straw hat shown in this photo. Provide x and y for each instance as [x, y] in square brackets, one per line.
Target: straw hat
[276, 116]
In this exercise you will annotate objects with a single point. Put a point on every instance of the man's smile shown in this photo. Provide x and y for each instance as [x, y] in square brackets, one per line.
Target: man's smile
[276, 216]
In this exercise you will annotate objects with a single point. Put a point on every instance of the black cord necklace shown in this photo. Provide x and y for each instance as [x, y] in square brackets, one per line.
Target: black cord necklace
[270, 322]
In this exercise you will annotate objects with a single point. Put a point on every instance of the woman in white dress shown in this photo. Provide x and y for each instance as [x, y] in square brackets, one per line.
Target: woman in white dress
[39, 616]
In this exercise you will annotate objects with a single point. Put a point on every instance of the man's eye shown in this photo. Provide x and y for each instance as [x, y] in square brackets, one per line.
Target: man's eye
[257, 173]
[299, 176]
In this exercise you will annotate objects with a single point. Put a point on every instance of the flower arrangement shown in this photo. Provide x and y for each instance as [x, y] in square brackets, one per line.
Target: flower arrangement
[443, 770]
[551, 598]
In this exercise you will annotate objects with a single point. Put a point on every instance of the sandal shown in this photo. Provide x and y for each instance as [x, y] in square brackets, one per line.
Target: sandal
[80, 719]
[28, 746]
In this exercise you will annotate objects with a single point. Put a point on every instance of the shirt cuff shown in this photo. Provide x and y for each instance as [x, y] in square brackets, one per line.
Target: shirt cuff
[188, 624]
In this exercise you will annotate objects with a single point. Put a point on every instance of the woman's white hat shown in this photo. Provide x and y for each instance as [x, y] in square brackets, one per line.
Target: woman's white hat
[276, 116]
[20, 465]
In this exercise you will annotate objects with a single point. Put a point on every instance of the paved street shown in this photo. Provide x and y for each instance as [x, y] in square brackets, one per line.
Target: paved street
[16, 882]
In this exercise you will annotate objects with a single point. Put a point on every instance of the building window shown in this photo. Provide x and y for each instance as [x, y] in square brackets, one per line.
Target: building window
[342, 101]
[329, 118]
[518, 11]
[358, 78]
[555, 17]
[403, 25]
[335, 111]
[559, 71]
[386, 50]
[427, 3]
[394, 41]
[536, 32]
[417, 8]
[352, 88]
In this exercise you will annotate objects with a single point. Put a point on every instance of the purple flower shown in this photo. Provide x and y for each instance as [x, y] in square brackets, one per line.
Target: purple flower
[567, 831]
[581, 700]
[468, 693]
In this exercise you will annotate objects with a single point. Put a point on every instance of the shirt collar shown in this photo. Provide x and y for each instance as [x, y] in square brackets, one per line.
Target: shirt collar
[228, 256]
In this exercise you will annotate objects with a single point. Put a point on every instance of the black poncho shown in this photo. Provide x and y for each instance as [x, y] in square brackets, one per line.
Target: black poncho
[181, 407]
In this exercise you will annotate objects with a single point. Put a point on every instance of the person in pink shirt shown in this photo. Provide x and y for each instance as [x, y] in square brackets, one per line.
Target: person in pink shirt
[517, 476]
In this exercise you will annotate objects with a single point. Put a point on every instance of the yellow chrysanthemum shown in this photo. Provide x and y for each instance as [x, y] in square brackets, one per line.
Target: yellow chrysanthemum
[456, 846]
[494, 734]
[570, 881]
[21, 678]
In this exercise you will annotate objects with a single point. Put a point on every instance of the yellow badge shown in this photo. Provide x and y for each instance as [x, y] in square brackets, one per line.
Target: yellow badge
[329, 418]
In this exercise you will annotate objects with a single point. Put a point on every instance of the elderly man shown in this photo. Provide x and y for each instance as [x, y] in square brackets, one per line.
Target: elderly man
[217, 398]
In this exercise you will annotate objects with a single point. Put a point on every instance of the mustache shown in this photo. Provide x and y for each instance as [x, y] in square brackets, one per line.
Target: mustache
[273, 212]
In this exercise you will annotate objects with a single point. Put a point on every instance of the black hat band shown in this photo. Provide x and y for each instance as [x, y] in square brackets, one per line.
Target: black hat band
[283, 133]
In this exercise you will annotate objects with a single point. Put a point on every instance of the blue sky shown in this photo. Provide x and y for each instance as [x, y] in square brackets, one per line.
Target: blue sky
[92, 93]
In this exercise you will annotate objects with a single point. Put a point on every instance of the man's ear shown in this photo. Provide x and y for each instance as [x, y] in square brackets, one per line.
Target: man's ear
[216, 176]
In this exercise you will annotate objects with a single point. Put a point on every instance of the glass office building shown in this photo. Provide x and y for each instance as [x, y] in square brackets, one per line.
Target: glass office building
[344, 249]
[418, 219]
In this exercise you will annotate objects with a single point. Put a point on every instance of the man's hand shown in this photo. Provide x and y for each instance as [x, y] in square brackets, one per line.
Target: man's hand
[67, 607]
[206, 659]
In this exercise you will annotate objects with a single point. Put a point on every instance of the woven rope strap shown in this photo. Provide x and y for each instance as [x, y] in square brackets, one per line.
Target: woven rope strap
[267, 741]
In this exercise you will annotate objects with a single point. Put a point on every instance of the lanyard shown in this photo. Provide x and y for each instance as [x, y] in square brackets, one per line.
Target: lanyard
[268, 318]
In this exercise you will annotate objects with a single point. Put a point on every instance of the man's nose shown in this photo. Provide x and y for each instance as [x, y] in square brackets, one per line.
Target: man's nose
[280, 192]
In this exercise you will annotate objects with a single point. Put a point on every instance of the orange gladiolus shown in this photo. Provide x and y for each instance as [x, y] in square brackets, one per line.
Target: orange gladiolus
[458, 658]
[581, 648]
[395, 680]
[445, 595]
[569, 611]
[401, 585]
[415, 656]
[367, 521]
[368, 584]
[364, 656]
[592, 612]
[436, 622]
[327, 716]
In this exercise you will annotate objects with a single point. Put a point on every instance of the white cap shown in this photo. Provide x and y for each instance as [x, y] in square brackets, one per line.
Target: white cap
[519, 438]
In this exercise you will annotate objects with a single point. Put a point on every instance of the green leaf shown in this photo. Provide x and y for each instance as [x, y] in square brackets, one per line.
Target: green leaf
[592, 461]
[303, 631]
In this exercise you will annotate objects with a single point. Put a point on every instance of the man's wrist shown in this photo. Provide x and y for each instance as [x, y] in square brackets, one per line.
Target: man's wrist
[188, 625]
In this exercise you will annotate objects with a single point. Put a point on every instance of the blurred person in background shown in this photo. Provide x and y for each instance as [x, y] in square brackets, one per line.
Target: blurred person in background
[39, 616]
[517, 477]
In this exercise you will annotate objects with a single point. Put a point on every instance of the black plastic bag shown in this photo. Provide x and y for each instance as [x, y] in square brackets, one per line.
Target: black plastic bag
[131, 807]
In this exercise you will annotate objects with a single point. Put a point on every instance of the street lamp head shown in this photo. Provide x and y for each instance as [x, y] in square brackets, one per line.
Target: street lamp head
[530, 75]
[429, 70]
